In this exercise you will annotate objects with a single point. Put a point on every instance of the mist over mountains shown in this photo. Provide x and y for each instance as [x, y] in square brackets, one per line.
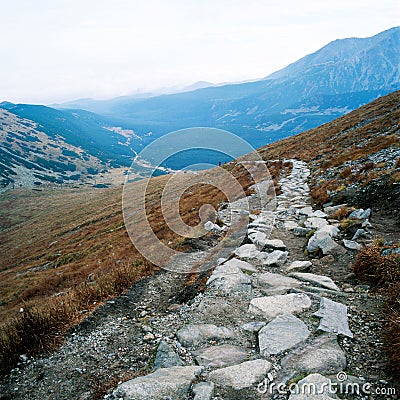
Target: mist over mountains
[334, 80]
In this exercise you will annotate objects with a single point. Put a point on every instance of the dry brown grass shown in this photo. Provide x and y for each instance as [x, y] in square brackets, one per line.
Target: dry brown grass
[342, 213]
[384, 272]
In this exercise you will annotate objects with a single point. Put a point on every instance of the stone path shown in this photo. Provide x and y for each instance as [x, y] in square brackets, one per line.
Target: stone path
[264, 318]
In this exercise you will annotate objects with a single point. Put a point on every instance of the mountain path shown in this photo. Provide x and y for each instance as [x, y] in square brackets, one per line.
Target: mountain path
[269, 316]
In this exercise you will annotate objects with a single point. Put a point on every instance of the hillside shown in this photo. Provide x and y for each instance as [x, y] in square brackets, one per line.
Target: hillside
[30, 156]
[64, 255]
[354, 158]
[320, 87]
[40, 144]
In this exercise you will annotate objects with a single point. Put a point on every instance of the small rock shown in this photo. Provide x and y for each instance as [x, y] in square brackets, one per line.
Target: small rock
[302, 232]
[331, 230]
[319, 214]
[166, 357]
[203, 390]
[211, 227]
[228, 278]
[275, 283]
[290, 225]
[315, 222]
[148, 337]
[275, 244]
[360, 233]
[388, 252]
[243, 265]
[323, 241]
[308, 211]
[313, 387]
[323, 355]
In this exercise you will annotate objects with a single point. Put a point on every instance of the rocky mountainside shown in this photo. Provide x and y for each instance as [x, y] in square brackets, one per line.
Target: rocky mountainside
[320, 87]
[39, 145]
[31, 156]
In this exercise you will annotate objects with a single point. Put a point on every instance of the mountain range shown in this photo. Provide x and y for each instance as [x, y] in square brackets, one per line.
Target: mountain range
[340, 77]
[334, 80]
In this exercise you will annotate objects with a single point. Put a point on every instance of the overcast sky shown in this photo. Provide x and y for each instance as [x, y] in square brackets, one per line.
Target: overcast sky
[58, 50]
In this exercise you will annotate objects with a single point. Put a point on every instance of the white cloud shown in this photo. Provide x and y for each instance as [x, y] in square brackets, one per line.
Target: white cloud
[54, 50]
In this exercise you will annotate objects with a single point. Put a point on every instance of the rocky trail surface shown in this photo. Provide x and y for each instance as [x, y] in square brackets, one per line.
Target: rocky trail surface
[284, 312]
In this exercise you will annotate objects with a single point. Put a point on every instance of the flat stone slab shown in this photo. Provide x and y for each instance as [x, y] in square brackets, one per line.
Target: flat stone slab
[193, 335]
[276, 258]
[270, 307]
[333, 318]
[283, 333]
[297, 266]
[241, 376]
[247, 251]
[173, 383]
[243, 265]
[228, 278]
[323, 355]
[275, 283]
[313, 387]
[166, 357]
[319, 280]
[220, 356]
